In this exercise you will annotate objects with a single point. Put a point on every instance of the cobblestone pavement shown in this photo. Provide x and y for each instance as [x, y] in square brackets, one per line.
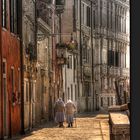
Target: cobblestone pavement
[89, 127]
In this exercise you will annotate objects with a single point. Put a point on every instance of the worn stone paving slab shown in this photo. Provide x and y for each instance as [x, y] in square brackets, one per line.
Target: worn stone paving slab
[88, 128]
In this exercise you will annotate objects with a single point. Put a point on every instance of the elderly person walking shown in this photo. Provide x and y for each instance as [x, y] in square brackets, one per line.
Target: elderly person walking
[70, 110]
[59, 112]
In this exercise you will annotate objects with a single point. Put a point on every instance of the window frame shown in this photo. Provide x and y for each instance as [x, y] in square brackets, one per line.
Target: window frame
[4, 13]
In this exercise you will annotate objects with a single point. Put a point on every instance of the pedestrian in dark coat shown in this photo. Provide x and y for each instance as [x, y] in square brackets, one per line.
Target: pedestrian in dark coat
[59, 112]
[70, 110]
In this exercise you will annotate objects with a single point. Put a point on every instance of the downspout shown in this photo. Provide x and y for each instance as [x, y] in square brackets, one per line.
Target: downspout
[92, 53]
[36, 28]
[80, 43]
[21, 66]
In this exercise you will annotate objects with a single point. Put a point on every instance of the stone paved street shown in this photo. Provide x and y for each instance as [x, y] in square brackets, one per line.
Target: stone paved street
[89, 127]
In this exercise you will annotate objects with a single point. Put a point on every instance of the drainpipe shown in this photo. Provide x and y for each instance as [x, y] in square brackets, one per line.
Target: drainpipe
[36, 27]
[60, 26]
[21, 66]
[60, 67]
[80, 43]
[92, 51]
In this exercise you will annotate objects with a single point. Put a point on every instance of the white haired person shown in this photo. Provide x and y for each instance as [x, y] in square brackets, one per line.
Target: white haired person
[70, 110]
[59, 112]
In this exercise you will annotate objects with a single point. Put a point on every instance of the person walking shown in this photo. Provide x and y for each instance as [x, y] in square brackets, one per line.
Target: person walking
[70, 109]
[59, 112]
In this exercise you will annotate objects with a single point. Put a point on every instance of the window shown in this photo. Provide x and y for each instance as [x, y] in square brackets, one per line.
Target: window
[88, 16]
[74, 18]
[108, 15]
[71, 92]
[85, 53]
[88, 55]
[68, 93]
[83, 12]
[87, 89]
[109, 57]
[101, 12]
[116, 59]
[13, 16]
[101, 101]
[74, 64]
[19, 80]
[70, 61]
[27, 92]
[60, 2]
[106, 82]
[94, 19]
[113, 58]
[4, 67]
[19, 90]
[111, 100]
[75, 91]
[13, 79]
[108, 101]
[4, 13]
[74, 68]
[76, 3]
[111, 16]
[113, 83]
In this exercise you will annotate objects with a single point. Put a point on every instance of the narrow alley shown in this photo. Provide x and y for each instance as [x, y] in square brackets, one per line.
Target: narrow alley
[63, 57]
[89, 127]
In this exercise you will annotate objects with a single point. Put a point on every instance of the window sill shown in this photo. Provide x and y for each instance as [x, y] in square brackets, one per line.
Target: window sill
[4, 29]
[15, 35]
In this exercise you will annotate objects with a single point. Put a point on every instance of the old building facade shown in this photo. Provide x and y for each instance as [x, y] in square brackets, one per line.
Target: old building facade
[111, 44]
[10, 96]
[109, 41]
[74, 49]
[70, 86]
[49, 28]
[29, 61]
[44, 61]
[84, 33]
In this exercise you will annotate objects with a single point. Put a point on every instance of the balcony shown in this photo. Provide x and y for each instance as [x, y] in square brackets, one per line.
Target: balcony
[124, 72]
[114, 71]
[103, 69]
[111, 71]
[86, 29]
[122, 36]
